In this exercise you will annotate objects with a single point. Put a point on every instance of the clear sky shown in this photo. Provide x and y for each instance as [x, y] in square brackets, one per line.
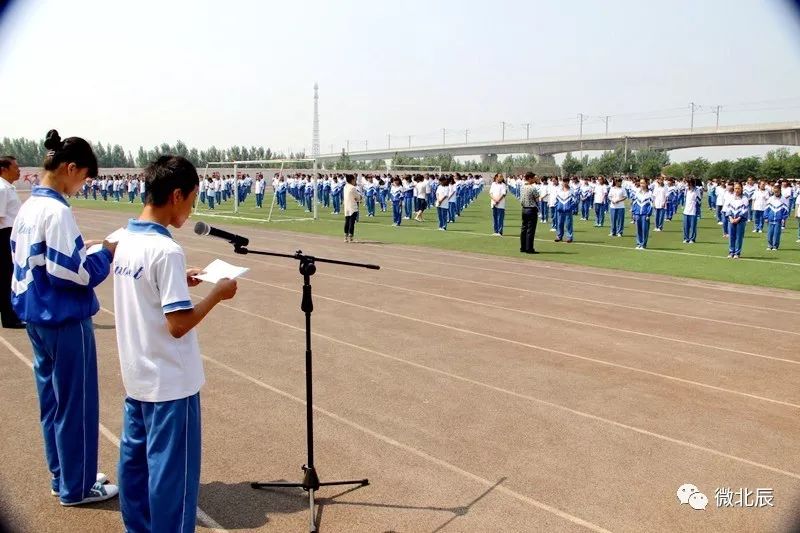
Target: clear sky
[242, 72]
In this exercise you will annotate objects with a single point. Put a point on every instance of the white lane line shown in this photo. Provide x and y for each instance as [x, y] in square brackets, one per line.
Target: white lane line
[556, 295]
[415, 451]
[550, 350]
[388, 252]
[393, 442]
[274, 234]
[202, 516]
[540, 315]
[525, 397]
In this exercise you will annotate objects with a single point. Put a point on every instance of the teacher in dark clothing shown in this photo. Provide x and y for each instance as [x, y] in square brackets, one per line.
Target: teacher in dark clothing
[529, 198]
[9, 206]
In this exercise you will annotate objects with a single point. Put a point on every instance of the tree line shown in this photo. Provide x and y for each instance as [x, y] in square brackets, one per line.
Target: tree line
[30, 153]
[777, 164]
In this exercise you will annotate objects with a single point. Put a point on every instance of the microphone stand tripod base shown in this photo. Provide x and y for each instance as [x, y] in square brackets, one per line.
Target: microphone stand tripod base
[311, 482]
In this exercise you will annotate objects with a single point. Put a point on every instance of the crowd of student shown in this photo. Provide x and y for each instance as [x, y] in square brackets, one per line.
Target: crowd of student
[733, 204]
[765, 204]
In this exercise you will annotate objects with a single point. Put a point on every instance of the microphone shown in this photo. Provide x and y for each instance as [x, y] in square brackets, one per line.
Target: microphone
[201, 228]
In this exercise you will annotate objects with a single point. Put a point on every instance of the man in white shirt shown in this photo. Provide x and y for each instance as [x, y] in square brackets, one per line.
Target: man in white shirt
[9, 207]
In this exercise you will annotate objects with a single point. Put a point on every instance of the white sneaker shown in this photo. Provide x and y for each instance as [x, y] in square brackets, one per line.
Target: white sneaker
[98, 493]
[101, 478]
[719, 223]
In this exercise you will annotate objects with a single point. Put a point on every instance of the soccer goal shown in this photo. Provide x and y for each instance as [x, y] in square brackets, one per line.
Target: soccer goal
[233, 189]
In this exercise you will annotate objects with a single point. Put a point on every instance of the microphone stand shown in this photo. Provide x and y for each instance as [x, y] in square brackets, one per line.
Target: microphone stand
[311, 482]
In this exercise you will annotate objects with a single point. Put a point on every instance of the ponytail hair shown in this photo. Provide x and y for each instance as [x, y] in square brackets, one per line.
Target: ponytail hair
[70, 150]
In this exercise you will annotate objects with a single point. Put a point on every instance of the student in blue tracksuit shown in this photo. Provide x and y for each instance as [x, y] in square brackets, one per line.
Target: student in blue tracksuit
[565, 202]
[736, 213]
[336, 195]
[616, 202]
[642, 208]
[691, 210]
[160, 362]
[309, 195]
[396, 192]
[442, 202]
[775, 214]
[53, 292]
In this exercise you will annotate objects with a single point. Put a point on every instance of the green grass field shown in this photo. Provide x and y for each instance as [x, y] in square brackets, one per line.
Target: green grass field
[666, 253]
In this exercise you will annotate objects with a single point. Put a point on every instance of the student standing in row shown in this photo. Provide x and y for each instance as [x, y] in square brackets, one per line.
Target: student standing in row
[776, 214]
[498, 192]
[616, 198]
[351, 200]
[600, 202]
[642, 208]
[736, 213]
[660, 193]
[443, 202]
[760, 199]
[396, 193]
[691, 210]
[565, 202]
[529, 199]
[53, 291]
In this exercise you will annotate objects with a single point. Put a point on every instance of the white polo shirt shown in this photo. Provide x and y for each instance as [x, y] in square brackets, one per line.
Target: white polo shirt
[9, 204]
[149, 272]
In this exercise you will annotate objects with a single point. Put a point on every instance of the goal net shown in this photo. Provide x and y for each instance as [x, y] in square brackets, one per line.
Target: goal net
[271, 190]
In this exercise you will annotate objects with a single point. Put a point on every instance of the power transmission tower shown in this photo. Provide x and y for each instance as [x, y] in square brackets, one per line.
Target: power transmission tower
[315, 134]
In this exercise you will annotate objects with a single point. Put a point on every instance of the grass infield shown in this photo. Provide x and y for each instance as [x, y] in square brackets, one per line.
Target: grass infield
[666, 253]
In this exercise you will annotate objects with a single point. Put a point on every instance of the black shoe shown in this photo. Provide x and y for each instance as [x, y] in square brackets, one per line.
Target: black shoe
[532, 252]
[19, 324]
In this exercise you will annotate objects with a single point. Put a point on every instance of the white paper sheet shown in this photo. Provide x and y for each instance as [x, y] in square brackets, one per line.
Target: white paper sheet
[113, 237]
[219, 269]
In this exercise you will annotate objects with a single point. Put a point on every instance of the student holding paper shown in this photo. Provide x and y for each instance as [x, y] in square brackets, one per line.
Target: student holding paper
[162, 371]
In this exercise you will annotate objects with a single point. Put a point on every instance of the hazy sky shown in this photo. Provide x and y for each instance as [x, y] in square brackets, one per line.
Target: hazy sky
[242, 72]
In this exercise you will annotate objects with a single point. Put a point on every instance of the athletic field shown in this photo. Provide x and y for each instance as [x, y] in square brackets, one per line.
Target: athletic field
[666, 253]
[477, 393]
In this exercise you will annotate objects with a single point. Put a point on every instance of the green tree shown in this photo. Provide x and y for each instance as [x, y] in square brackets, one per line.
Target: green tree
[696, 167]
[571, 166]
[675, 170]
[743, 168]
[719, 170]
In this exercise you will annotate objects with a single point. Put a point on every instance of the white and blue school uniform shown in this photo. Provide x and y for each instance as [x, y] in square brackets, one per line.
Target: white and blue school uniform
[565, 203]
[261, 186]
[736, 207]
[52, 289]
[544, 190]
[719, 199]
[660, 193]
[775, 214]
[132, 186]
[759, 205]
[691, 212]
[159, 466]
[587, 194]
[616, 198]
[104, 189]
[443, 205]
[600, 204]
[202, 190]
[369, 197]
[143, 190]
[641, 209]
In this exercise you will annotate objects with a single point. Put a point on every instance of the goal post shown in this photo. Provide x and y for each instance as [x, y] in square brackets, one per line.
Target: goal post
[227, 192]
